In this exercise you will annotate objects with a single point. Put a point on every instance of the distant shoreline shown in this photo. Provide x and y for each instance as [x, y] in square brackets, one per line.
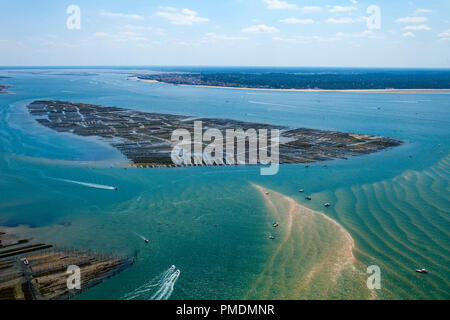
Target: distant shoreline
[405, 91]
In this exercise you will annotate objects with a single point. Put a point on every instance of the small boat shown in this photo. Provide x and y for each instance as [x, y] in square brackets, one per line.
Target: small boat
[301, 190]
[275, 224]
[327, 204]
[266, 193]
[146, 240]
[308, 198]
[115, 188]
[271, 237]
[172, 267]
[422, 270]
[177, 272]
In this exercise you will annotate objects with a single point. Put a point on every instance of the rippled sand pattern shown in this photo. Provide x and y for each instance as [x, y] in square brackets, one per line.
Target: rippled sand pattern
[402, 224]
[310, 258]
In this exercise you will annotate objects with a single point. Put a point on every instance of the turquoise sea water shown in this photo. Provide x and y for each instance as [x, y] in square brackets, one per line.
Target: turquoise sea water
[211, 223]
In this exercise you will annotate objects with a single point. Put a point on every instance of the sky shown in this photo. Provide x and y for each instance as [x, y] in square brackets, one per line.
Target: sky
[339, 33]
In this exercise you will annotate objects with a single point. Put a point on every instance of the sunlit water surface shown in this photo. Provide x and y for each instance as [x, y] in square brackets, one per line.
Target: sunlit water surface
[212, 223]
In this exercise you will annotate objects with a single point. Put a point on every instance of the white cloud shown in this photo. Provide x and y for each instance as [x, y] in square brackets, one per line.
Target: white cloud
[354, 1]
[134, 27]
[101, 34]
[284, 39]
[184, 17]
[340, 20]
[284, 5]
[364, 34]
[300, 39]
[156, 31]
[420, 27]
[59, 44]
[409, 34]
[444, 35]
[310, 9]
[297, 21]
[121, 15]
[279, 5]
[411, 20]
[214, 36]
[260, 28]
[165, 8]
[123, 36]
[342, 9]
[132, 36]
[148, 44]
[420, 10]
[336, 37]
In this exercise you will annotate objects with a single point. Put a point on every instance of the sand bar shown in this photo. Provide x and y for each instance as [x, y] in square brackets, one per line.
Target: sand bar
[310, 257]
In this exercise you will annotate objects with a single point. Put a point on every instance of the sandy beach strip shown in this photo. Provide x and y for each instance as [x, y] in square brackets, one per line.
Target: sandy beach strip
[142, 80]
[407, 91]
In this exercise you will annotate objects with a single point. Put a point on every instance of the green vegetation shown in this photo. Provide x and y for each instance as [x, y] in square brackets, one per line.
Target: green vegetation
[419, 79]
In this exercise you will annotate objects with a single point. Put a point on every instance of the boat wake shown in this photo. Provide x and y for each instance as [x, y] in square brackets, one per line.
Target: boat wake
[159, 288]
[165, 291]
[141, 236]
[87, 184]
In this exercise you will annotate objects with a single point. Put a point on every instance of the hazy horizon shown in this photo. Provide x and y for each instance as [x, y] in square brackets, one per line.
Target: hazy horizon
[226, 67]
[274, 33]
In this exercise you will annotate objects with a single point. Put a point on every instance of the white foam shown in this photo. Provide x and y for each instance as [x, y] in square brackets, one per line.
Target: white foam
[87, 184]
[159, 288]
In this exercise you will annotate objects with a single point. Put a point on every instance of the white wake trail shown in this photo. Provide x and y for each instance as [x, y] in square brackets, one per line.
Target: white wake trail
[167, 288]
[87, 184]
[144, 290]
[140, 236]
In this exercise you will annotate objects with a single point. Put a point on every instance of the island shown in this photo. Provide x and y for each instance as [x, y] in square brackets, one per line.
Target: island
[425, 81]
[38, 271]
[145, 138]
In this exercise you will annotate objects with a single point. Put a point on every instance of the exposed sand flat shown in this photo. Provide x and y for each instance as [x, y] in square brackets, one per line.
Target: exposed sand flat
[143, 80]
[310, 258]
[145, 138]
[393, 90]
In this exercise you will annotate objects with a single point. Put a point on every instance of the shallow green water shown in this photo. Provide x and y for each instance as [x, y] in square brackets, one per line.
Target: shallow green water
[210, 222]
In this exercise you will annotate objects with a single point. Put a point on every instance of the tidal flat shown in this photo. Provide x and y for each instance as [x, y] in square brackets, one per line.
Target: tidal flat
[145, 138]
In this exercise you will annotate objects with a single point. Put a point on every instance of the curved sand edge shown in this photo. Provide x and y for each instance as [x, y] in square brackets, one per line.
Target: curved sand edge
[312, 256]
